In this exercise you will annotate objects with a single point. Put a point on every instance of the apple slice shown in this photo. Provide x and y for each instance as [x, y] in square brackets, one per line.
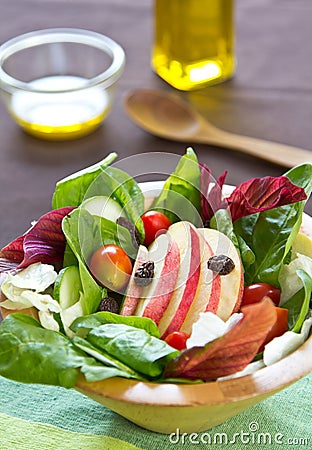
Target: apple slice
[134, 291]
[155, 297]
[208, 290]
[188, 241]
[232, 284]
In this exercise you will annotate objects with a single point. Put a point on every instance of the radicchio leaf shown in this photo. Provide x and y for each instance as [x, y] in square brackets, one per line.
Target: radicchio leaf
[43, 242]
[210, 197]
[14, 251]
[7, 264]
[229, 353]
[262, 194]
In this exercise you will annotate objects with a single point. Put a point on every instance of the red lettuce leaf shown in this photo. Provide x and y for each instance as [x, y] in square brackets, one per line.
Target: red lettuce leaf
[229, 353]
[43, 242]
[14, 251]
[262, 194]
[6, 265]
[211, 198]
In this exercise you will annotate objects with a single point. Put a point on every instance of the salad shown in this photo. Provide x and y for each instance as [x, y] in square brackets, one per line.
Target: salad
[196, 286]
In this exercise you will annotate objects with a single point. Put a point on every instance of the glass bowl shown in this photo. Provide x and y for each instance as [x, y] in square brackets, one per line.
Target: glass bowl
[59, 83]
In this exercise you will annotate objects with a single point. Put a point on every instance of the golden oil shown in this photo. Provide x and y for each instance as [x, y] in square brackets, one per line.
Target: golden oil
[59, 115]
[194, 42]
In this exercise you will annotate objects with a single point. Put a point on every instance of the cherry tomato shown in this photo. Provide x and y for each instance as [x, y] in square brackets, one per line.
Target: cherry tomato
[111, 266]
[177, 340]
[155, 223]
[255, 293]
[279, 327]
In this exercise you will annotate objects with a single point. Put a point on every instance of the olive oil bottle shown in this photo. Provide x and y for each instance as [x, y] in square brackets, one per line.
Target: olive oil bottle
[194, 43]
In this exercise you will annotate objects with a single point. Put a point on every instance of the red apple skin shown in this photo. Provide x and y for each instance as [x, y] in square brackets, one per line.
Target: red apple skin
[165, 254]
[207, 292]
[134, 291]
[158, 303]
[219, 294]
[240, 294]
[184, 286]
[190, 287]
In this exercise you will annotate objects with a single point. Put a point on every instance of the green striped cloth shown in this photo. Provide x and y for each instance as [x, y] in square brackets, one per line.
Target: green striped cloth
[45, 417]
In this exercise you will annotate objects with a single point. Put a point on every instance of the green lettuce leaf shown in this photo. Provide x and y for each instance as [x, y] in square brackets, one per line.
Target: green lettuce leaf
[118, 185]
[71, 190]
[106, 367]
[31, 354]
[180, 196]
[298, 305]
[270, 234]
[100, 179]
[87, 323]
[91, 232]
[92, 292]
[133, 346]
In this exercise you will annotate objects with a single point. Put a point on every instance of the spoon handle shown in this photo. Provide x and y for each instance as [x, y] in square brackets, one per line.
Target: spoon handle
[284, 155]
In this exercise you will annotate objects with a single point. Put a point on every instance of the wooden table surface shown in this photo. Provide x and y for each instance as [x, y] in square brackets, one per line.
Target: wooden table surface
[270, 97]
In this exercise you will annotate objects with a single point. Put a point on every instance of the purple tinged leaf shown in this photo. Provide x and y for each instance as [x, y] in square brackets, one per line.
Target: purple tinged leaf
[6, 265]
[43, 242]
[229, 353]
[14, 251]
[262, 194]
[211, 197]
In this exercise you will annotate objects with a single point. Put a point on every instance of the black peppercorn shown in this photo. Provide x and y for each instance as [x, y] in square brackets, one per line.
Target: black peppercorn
[144, 274]
[221, 264]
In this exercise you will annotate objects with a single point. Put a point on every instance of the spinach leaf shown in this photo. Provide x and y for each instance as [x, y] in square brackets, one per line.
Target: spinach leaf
[71, 190]
[267, 235]
[91, 232]
[97, 372]
[301, 176]
[298, 305]
[69, 257]
[222, 222]
[92, 292]
[109, 366]
[31, 354]
[86, 233]
[87, 323]
[270, 234]
[180, 196]
[134, 347]
[118, 185]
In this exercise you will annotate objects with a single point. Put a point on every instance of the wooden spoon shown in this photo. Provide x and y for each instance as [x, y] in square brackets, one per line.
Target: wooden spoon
[167, 116]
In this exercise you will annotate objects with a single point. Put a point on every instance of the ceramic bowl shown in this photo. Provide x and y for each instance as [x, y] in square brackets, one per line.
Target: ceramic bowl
[59, 83]
[166, 407]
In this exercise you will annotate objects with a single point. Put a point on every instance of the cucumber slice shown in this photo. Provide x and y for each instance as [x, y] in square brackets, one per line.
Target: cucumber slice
[67, 287]
[103, 206]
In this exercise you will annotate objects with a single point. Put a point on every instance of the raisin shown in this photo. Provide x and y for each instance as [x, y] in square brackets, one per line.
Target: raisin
[132, 230]
[109, 304]
[144, 274]
[221, 264]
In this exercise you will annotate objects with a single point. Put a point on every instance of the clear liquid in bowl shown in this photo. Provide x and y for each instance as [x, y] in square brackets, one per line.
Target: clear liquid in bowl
[60, 115]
